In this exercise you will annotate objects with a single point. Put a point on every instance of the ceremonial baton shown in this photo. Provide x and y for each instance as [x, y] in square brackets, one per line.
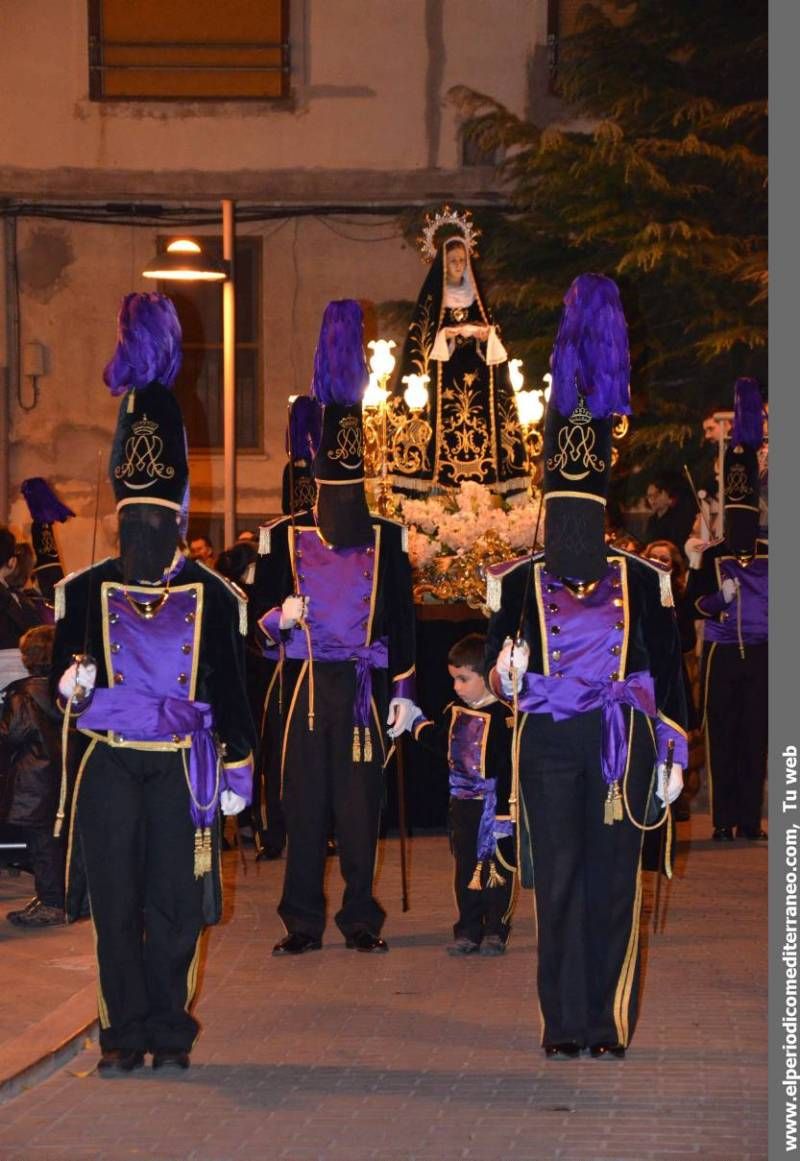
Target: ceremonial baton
[401, 819]
[662, 845]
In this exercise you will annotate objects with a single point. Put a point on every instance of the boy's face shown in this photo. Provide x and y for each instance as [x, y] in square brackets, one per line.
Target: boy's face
[468, 684]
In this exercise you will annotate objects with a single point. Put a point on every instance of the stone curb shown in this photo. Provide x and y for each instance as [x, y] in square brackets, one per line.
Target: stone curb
[31, 1057]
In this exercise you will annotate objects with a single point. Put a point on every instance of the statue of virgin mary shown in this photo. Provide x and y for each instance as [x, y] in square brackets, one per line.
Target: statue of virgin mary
[469, 429]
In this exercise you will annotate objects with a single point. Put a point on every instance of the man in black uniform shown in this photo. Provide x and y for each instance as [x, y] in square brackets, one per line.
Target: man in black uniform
[334, 585]
[729, 586]
[599, 691]
[149, 647]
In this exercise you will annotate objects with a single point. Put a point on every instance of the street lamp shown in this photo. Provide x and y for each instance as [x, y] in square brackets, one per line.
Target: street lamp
[184, 261]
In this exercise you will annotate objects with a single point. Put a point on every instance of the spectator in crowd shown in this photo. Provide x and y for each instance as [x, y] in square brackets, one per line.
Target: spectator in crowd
[30, 772]
[16, 615]
[672, 511]
[202, 550]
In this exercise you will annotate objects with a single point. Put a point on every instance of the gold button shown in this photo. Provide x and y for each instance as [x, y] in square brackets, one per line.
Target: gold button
[555, 630]
[364, 624]
[176, 738]
[115, 646]
[366, 598]
[616, 650]
[367, 574]
[301, 576]
[119, 678]
[113, 618]
[182, 678]
[186, 647]
[619, 625]
[189, 618]
[559, 674]
[614, 676]
[550, 588]
[616, 584]
[556, 654]
[552, 608]
[299, 554]
[617, 602]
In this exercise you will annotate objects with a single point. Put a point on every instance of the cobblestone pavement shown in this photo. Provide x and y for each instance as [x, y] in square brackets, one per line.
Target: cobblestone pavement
[413, 1056]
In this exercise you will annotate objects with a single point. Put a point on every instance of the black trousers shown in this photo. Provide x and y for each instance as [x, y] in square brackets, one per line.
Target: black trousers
[736, 720]
[488, 911]
[147, 906]
[267, 808]
[586, 877]
[48, 856]
[321, 780]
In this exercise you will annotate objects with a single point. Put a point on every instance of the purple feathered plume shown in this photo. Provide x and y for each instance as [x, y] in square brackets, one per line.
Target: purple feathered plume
[148, 344]
[43, 504]
[305, 427]
[748, 414]
[591, 355]
[340, 367]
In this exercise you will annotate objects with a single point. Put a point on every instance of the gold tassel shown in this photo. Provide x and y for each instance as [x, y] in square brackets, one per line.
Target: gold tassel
[59, 823]
[495, 878]
[131, 403]
[356, 745]
[617, 804]
[202, 852]
[608, 809]
[367, 744]
[475, 882]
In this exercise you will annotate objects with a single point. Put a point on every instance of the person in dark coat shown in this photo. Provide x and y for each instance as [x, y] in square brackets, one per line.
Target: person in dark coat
[17, 613]
[30, 774]
[333, 590]
[584, 638]
[149, 658]
[729, 587]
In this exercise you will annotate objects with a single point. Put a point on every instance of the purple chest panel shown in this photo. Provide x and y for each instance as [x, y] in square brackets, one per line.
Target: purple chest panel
[466, 751]
[748, 613]
[339, 584]
[156, 656]
[584, 636]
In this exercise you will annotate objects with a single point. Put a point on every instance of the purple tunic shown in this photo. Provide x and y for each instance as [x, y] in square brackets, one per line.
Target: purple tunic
[745, 619]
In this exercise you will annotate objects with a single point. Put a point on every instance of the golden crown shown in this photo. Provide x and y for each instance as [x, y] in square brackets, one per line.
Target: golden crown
[144, 426]
[460, 222]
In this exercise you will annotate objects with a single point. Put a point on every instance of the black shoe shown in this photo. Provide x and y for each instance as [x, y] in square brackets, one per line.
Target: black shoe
[171, 1060]
[268, 853]
[568, 1049]
[366, 941]
[597, 1051]
[754, 833]
[295, 943]
[723, 834]
[118, 1061]
[463, 946]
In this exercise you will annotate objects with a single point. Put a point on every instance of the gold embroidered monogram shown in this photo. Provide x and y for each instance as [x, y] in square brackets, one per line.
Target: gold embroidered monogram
[48, 544]
[349, 444]
[465, 448]
[411, 434]
[737, 485]
[142, 451]
[575, 444]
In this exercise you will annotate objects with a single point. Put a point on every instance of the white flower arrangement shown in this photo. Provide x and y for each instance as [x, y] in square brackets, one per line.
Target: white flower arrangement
[451, 526]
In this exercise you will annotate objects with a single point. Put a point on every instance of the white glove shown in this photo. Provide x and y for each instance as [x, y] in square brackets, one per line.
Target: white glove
[694, 549]
[402, 713]
[292, 609]
[512, 657]
[80, 676]
[231, 803]
[728, 589]
[674, 785]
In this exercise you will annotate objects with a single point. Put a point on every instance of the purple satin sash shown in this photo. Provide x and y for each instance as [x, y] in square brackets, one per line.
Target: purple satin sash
[564, 697]
[366, 657]
[135, 717]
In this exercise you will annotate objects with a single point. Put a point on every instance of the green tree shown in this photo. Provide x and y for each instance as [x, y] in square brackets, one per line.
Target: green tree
[656, 175]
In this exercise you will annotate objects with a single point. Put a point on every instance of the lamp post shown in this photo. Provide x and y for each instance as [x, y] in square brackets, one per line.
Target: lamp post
[184, 261]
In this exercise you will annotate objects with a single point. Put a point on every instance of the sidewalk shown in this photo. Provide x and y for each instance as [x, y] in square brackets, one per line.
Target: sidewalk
[412, 1055]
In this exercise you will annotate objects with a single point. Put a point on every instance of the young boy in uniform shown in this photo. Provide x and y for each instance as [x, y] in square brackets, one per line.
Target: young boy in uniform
[475, 735]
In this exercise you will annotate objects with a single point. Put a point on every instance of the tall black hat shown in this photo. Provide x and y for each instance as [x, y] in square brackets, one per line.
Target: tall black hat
[590, 384]
[149, 465]
[340, 379]
[299, 490]
[740, 467]
[46, 510]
